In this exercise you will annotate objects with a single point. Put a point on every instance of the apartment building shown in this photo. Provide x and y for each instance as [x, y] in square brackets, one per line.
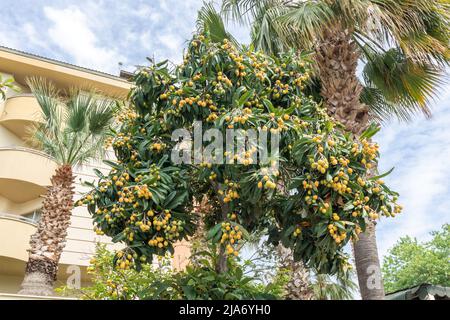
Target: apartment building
[25, 172]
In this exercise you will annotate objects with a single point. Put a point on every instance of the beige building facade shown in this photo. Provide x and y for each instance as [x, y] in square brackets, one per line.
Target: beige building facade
[25, 172]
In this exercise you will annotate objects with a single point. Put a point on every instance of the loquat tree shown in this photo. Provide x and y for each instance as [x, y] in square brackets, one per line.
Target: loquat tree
[311, 193]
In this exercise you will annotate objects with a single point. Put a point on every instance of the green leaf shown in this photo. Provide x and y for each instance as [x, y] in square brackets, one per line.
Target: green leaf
[348, 206]
[244, 98]
[189, 291]
[119, 237]
[213, 231]
[268, 104]
[98, 173]
[113, 164]
[382, 175]
[370, 131]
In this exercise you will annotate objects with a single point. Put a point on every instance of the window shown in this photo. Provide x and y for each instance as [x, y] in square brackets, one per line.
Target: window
[35, 216]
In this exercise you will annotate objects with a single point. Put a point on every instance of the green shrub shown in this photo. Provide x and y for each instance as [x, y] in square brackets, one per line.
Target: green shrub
[159, 281]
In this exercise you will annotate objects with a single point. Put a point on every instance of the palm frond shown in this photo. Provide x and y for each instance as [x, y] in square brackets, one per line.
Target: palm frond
[74, 128]
[41, 139]
[351, 12]
[77, 108]
[243, 11]
[48, 98]
[382, 110]
[267, 34]
[305, 21]
[385, 20]
[418, 27]
[210, 22]
[52, 112]
[101, 115]
[91, 149]
[430, 43]
[396, 85]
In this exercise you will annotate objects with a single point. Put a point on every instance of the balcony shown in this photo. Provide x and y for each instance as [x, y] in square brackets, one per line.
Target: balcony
[24, 175]
[15, 232]
[19, 113]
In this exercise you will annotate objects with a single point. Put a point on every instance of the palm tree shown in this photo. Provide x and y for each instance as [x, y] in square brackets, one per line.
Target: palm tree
[403, 46]
[73, 132]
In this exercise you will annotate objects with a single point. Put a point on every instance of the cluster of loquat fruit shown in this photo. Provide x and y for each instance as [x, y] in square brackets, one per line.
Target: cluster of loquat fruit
[231, 235]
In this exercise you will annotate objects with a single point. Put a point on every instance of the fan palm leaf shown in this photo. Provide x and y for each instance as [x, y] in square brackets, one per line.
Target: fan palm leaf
[211, 22]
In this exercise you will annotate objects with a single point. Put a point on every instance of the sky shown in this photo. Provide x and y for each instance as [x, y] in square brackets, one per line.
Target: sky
[101, 34]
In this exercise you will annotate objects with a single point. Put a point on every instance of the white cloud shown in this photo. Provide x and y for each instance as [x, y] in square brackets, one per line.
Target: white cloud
[29, 31]
[420, 153]
[8, 37]
[70, 32]
[147, 12]
[171, 41]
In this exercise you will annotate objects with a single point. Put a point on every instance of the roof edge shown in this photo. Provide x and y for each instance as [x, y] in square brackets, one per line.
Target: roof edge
[63, 64]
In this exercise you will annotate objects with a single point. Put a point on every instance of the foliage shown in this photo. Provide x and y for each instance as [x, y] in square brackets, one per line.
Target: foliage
[210, 21]
[410, 263]
[314, 202]
[396, 85]
[201, 281]
[158, 281]
[5, 84]
[111, 283]
[403, 44]
[75, 124]
[328, 288]
[264, 264]
[263, 261]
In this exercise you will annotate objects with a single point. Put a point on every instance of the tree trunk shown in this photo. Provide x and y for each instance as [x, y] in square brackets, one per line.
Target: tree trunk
[198, 241]
[337, 59]
[368, 265]
[299, 286]
[48, 242]
[222, 266]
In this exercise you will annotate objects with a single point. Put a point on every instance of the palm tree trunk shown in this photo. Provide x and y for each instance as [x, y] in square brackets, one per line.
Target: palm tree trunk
[48, 242]
[368, 265]
[337, 60]
[299, 286]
